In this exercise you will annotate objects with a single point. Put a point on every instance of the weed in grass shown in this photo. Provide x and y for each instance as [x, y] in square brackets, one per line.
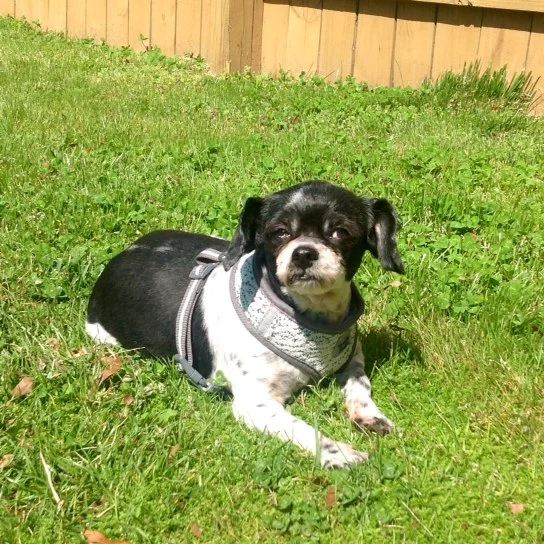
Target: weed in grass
[100, 145]
[474, 85]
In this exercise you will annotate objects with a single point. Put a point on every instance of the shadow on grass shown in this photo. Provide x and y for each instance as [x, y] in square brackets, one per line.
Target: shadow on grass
[387, 343]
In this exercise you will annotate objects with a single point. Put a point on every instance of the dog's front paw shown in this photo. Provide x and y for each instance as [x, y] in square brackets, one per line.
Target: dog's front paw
[340, 455]
[377, 423]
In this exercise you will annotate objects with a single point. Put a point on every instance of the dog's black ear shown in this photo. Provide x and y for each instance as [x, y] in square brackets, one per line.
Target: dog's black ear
[244, 237]
[382, 229]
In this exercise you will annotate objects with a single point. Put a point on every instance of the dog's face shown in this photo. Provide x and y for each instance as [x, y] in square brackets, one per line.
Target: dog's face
[314, 235]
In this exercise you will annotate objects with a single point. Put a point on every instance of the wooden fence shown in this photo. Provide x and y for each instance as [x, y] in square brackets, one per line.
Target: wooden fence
[381, 42]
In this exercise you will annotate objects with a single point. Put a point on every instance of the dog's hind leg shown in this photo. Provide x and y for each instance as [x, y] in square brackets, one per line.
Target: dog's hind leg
[270, 416]
[357, 394]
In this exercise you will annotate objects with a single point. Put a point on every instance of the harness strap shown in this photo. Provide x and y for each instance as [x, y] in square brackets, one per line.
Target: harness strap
[206, 260]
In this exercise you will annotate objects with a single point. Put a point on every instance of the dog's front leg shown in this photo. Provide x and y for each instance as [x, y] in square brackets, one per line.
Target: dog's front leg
[270, 416]
[357, 394]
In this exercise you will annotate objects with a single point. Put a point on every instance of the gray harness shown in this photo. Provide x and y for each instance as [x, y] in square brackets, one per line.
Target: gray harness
[206, 260]
[313, 347]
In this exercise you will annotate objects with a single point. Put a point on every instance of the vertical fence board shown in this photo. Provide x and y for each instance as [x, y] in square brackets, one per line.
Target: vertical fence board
[257, 38]
[275, 28]
[57, 15]
[40, 12]
[139, 24]
[214, 34]
[188, 24]
[236, 33]
[247, 33]
[336, 41]
[23, 8]
[96, 19]
[7, 7]
[457, 37]
[375, 41]
[303, 37]
[75, 18]
[117, 22]
[535, 58]
[504, 39]
[163, 25]
[240, 34]
[413, 43]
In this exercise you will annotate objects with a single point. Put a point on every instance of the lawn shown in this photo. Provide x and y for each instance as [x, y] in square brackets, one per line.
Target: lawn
[100, 145]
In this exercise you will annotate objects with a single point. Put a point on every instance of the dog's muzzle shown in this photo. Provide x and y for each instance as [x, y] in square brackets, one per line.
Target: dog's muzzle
[306, 263]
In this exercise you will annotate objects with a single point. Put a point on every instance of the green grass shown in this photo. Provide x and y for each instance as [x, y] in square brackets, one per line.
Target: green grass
[99, 145]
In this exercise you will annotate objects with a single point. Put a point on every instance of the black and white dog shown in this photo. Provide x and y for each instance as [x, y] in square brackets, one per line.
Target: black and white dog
[279, 311]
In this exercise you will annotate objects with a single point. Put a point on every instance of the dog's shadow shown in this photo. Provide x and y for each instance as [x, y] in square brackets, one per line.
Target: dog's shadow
[387, 343]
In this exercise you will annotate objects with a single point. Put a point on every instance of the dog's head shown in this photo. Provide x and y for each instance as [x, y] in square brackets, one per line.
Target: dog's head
[314, 235]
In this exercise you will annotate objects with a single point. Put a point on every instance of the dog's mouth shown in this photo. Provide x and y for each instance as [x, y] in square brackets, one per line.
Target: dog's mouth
[307, 281]
[303, 277]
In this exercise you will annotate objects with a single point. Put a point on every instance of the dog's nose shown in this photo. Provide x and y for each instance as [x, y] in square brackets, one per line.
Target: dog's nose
[304, 256]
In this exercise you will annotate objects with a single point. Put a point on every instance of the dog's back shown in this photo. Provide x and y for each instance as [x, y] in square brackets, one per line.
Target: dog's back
[136, 298]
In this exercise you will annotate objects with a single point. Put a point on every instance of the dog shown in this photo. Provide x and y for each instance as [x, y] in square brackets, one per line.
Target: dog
[302, 246]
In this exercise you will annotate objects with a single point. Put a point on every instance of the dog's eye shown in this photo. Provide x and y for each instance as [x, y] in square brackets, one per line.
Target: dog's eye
[281, 233]
[339, 234]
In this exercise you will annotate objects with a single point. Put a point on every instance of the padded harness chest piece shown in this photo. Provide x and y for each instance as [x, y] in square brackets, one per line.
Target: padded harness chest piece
[315, 347]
